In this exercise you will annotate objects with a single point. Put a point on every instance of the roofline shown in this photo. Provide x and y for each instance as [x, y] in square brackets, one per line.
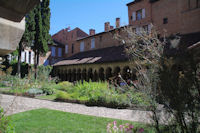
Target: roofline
[136, 1]
[102, 33]
[89, 63]
[133, 2]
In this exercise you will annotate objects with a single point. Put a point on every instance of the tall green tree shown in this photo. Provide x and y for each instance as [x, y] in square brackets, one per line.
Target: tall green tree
[27, 38]
[39, 42]
[36, 34]
[45, 12]
[42, 36]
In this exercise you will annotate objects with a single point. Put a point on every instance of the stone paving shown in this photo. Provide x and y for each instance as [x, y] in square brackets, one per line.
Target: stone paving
[13, 104]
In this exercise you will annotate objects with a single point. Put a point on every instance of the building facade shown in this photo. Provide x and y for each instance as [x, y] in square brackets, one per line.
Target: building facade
[167, 16]
[101, 57]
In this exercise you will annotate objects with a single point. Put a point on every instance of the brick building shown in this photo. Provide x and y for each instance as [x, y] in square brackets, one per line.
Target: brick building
[64, 45]
[100, 56]
[171, 16]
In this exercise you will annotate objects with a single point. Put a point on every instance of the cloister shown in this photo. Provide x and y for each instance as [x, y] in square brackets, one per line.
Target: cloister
[95, 72]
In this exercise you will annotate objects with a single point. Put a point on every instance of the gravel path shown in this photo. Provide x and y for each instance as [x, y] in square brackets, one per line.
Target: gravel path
[13, 104]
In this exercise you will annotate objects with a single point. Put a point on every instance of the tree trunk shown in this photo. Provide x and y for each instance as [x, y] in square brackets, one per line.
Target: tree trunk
[35, 64]
[19, 60]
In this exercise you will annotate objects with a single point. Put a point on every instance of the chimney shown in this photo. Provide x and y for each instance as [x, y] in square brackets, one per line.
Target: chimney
[117, 22]
[92, 32]
[111, 27]
[107, 26]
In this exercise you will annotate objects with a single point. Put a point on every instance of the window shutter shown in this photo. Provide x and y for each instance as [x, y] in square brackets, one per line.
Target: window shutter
[143, 13]
[22, 57]
[82, 46]
[66, 49]
[93, 43]
[32, 57]
[27, 57]
[134, 16]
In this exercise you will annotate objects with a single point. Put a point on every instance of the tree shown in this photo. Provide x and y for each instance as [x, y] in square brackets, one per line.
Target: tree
[169, 76]
[27, 38]
[42, 26]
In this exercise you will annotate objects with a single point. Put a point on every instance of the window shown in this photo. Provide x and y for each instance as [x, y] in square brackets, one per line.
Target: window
[59, 52]
[134, 30]
[139, 14]
[100, 39]
[138, 29]
[145, 28]
[82, 46]
[25, 57]
[133, 17]
[29, 57]
[192, 4]
[93, 43]
[66, 49]
[72, 48]
[143, 13]
[165, 20]
[53, 51]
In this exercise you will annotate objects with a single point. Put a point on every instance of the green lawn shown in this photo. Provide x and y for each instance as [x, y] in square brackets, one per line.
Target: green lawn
[50, 121]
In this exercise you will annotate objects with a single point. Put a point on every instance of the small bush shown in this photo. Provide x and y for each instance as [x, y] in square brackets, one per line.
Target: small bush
[5, 124]
[62, 95]
[34, 91]
[63, 86]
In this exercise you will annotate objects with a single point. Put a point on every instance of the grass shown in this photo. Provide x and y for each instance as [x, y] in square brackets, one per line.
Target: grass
[47, 97]
[50, 121]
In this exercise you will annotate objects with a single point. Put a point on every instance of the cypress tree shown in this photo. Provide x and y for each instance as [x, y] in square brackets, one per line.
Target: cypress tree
[39, 42]
[42, 27]
[37, 32]
[27, 37]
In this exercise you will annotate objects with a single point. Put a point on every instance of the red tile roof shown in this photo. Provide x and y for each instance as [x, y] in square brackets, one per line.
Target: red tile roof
[110, 54]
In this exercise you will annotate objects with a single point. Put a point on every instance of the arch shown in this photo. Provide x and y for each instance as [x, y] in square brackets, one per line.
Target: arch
[90, 74]
[78, 74]
[84, 74]
[69, 76]
[96, 76]
[74, 75]
[133, 74]
[117, 70]
[126, 73]
[101, 74]
[65, 73]
[108, 73]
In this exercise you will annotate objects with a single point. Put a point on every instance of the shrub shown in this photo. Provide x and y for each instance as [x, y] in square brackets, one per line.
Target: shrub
[63, 86]
[62, 95]
[34, 91]
[47, 91]
[5, 124]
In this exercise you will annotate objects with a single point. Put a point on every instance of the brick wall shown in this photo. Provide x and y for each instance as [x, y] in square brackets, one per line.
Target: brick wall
[182, 16]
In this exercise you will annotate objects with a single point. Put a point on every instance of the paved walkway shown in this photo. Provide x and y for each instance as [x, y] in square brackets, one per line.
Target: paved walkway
[13, 104]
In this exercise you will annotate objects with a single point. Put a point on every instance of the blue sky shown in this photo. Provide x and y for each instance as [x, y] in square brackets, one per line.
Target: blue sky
[86, 14]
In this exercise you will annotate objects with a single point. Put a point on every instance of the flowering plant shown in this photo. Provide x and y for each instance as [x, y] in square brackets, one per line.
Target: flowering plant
[124, 128]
